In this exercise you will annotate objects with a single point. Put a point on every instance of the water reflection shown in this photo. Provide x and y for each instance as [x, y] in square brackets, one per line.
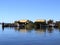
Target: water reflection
[34, 36]
[39, 30]
[23, 29]
[50, 29]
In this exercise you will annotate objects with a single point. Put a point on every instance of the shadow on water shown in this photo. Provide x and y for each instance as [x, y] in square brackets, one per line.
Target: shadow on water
[23, 29]
[40, 29]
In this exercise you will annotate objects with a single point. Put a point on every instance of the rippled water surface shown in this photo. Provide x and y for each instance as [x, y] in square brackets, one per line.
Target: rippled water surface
[16, 36]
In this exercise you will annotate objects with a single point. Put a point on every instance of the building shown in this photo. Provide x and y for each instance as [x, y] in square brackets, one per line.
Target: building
[57, 24]
[50, 23]
[40, 23]
[23, 23]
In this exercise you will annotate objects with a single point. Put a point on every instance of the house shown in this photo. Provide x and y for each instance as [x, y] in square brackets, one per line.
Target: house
[57, 24]
[40, 23]
[23, 23]
[50, 23]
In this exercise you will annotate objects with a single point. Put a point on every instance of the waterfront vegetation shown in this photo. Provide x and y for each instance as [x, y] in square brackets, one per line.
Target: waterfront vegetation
[28, 23]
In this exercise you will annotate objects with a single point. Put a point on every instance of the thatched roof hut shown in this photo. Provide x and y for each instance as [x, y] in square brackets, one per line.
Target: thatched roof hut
[40, 20]
[23, 21]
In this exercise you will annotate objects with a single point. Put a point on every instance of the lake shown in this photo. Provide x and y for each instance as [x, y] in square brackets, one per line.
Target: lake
[18, 36]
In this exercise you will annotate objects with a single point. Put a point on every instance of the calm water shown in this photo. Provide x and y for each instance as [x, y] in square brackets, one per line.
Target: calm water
[16, 36]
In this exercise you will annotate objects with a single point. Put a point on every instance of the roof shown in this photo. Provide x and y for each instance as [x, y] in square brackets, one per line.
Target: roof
[23, 21]
[40, 20]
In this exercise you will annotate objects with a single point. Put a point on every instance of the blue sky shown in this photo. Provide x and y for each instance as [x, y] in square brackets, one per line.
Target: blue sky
[11, 10]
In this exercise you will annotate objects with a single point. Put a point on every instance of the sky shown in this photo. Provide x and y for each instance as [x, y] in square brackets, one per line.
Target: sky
[12, 10]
